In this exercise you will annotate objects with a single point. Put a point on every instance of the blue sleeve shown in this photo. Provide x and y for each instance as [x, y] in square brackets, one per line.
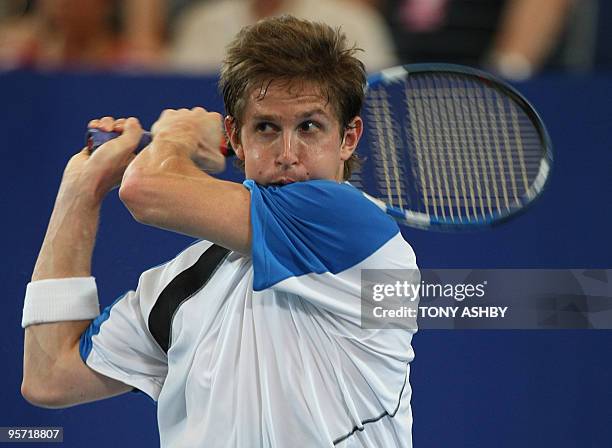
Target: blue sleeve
[312, 227]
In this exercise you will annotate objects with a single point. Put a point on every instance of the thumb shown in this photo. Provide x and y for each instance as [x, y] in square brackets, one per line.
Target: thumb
[130, 137]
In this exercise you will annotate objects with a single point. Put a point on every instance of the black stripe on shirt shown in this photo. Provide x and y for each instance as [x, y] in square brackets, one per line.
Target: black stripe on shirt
[181, 288]
[361, 427]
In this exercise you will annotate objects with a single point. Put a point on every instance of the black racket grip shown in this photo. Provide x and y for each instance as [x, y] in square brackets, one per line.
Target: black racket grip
[94, 138]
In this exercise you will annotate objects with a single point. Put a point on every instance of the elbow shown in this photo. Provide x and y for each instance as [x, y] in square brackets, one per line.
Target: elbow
[134, 196]
[34, 397]
[43, 396]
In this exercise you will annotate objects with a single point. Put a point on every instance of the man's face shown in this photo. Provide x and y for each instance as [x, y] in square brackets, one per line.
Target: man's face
[292, 134]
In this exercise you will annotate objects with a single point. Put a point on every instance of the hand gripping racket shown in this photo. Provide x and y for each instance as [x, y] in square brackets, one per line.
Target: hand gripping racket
[94, 138]
[445, 147]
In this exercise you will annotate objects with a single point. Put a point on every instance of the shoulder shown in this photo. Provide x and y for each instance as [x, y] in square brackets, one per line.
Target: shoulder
[320, 201]
[313, 227]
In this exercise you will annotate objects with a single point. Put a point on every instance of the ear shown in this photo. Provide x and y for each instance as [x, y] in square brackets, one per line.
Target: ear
[352, 134]
[232, 133]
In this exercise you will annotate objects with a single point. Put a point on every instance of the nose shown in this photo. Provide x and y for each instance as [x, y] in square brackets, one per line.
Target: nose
[288, 155]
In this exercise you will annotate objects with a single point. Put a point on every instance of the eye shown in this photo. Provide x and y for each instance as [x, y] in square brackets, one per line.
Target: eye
[265, 127]
[309, 126]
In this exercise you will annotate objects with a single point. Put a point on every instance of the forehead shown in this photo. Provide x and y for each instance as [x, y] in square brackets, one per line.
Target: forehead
[287, 98]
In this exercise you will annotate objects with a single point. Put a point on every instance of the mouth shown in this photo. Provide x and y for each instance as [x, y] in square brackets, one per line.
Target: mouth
[283, 181]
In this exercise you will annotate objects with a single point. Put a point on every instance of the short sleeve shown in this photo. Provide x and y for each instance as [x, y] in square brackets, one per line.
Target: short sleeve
[312, 227]
[119, 342]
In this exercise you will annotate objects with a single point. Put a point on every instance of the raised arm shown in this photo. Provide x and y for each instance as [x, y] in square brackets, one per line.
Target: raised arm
[167, 185]
[53, 373]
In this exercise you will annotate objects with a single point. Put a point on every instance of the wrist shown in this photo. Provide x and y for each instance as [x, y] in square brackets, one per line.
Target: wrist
[82, 192]
[171, 144]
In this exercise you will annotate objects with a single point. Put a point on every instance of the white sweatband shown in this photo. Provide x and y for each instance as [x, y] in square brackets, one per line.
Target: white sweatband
[61, 299]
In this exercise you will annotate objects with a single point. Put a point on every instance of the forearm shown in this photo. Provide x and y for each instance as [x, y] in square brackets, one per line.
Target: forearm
[66, 252]
[164, 188]
[68, 244]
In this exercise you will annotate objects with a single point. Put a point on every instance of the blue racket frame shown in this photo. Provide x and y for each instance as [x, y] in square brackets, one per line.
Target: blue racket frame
[422, 220]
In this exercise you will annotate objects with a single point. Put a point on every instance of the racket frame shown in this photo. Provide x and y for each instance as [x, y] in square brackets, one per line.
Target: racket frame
[425, 221]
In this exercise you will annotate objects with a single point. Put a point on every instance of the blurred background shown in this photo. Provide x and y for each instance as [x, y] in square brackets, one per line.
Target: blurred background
[516, 38]
[63, 62]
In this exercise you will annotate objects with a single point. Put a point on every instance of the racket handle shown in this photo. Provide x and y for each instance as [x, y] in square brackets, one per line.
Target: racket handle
[94, 138]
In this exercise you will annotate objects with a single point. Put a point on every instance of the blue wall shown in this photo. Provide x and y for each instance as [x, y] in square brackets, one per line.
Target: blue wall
[471, 388]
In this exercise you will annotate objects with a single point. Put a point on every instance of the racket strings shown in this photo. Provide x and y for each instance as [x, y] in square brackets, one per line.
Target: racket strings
[420, 157]
[484, 187]
[388, 162]
[431, 153]
[453, 122]
[453, 108]
[450, 147]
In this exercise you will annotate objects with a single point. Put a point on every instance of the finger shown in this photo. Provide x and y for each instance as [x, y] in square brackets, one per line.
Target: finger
[167, 112]
[164, 115]
[132, 131]
[217, 115]
[118, 125]
[106, 123]
[219, 165]
[93, 123]
[198, 109]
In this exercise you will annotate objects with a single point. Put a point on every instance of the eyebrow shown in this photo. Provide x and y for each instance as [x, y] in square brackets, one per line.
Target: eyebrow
[306, 114]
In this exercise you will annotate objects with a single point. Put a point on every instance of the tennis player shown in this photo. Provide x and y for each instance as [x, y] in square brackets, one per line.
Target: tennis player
[250, 337]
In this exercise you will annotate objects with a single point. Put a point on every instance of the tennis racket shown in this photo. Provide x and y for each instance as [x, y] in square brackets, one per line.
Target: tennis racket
[450, 147]
[445, 147]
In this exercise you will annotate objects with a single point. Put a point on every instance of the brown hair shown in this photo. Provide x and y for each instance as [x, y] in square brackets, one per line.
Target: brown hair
[289, 49]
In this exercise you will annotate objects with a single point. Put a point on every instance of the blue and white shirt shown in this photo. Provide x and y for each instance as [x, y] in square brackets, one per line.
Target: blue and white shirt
[268, 350]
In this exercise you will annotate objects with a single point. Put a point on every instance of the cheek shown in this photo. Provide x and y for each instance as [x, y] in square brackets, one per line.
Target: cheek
[256, 155]
[322, 163]
[256, 162]
[326, 152]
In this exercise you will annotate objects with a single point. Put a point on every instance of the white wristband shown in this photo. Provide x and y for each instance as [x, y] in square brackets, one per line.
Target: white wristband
[62, 299]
